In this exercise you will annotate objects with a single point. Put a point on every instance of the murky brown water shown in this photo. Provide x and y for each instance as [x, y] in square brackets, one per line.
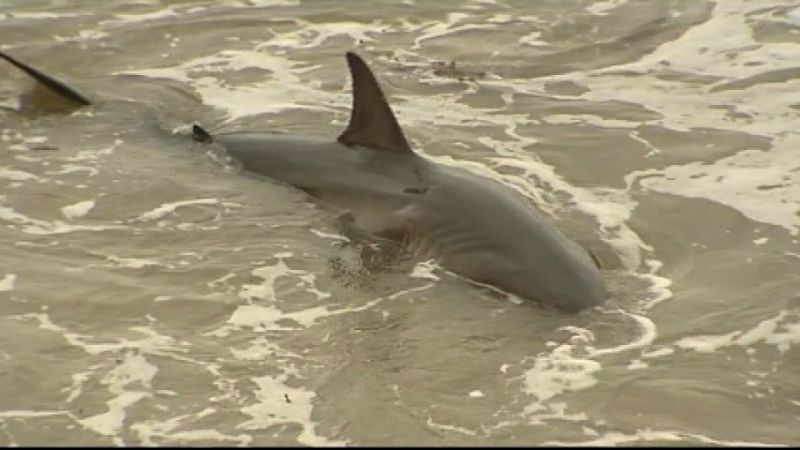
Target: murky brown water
[149, 295]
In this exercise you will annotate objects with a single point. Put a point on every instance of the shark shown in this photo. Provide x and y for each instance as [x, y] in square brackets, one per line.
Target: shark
[470, 224]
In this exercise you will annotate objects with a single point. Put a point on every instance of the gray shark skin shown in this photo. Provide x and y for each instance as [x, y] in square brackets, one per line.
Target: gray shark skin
[473, 226]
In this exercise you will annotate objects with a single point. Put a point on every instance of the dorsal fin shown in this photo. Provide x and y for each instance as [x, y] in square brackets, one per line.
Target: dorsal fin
[61, 90]
[372, 122]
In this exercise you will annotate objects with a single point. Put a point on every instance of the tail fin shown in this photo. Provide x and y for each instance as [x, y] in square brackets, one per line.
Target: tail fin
[69, 98]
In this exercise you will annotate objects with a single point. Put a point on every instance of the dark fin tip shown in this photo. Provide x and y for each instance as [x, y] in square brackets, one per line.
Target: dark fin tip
[201, 135]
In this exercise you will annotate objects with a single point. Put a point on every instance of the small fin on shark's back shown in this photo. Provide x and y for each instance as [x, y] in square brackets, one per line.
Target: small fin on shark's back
[372, 122]
[199, 134]
[69, 97]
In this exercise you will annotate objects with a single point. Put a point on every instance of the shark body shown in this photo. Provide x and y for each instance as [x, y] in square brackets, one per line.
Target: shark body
[472, 225]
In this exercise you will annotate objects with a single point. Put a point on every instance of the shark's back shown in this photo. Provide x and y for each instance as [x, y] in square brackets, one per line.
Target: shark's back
[473, 225]
[485, 231]
[320, 164]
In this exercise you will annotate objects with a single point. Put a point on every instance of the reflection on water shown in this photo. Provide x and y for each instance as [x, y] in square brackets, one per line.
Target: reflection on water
[152, 295]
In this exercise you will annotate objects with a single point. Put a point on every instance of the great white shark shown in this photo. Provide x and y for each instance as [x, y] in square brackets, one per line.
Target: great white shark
[472, 225]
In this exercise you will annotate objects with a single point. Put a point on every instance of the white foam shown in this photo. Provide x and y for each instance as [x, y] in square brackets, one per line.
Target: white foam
[637, 364]
[794, 16]
[92, 155]
[134, 18]
[169, 73]
[168, 208]
[282, 88]
[602, 8]
[110, 422]
[450, 25]
[310, 281]
[324, 235]
[82, 36]
[16, 175]
[278, 403]
[449, 428]
[559, 371]
[39, 15]
[427, 110]
[612, 208]
[311, 35]
[540, 413]
[78, 381]
[647, 337]
[760, 184]
[266, 289]
[738, 181]
[77, 210]
[425, 270]
[694, 52]
[707, 344]
[262, 348]
[36, 140]
[573, 366]
[134, 368]
[777, 331]
[652, 149]
[723, 46]
[133, 263]
[659, 287]
[613, 438]
[146, 431]
[658, 352]
[591, 119]
[43, 227]
[151, 343]
[257, 317]
[74, 168]
[266, 316]
[7, 283]
[532, 39]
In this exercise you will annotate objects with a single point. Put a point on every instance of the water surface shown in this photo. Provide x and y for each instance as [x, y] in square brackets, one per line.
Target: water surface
[151, 295]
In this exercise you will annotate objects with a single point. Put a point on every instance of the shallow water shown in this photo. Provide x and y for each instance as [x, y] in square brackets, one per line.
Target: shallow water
[150, 295]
